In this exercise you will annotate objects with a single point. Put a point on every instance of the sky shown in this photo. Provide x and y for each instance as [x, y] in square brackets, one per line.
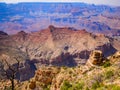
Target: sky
[105, 2]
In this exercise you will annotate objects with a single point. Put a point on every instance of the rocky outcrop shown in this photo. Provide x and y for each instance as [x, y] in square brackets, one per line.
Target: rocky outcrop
[20, 36]
[96, 58]
[115, 57]
[45, 75]
[117, 54]
[107, 49]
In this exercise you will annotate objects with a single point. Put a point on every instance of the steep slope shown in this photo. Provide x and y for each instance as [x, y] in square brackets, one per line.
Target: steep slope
[9, 52]
[53, 46]
[63, 46]
[94, 77]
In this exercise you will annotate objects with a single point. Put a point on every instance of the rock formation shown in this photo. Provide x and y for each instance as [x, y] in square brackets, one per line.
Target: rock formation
[55, 46]
[59, 46]
[96, 58]
[115, 57]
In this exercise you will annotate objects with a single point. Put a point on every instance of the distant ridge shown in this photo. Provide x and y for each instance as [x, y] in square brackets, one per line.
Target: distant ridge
[31, 17]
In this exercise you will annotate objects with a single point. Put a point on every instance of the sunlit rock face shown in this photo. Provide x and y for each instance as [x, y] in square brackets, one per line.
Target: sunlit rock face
[55, 46]
[61, 46]
[96, 57]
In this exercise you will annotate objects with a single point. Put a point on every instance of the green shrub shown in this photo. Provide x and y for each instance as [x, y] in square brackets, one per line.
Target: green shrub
[78, 86]
[109, 74]
[87, 88]
[113, 87]
[106, 64]
[116, 88]
[96, 85]
[46, 87]
[66, 85]
[102, 88]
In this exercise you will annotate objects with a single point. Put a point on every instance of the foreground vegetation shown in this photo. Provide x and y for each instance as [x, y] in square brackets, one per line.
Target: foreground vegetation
[84, 77]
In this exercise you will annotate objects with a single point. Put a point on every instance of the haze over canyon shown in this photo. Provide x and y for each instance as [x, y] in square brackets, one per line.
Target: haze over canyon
[59, 46]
